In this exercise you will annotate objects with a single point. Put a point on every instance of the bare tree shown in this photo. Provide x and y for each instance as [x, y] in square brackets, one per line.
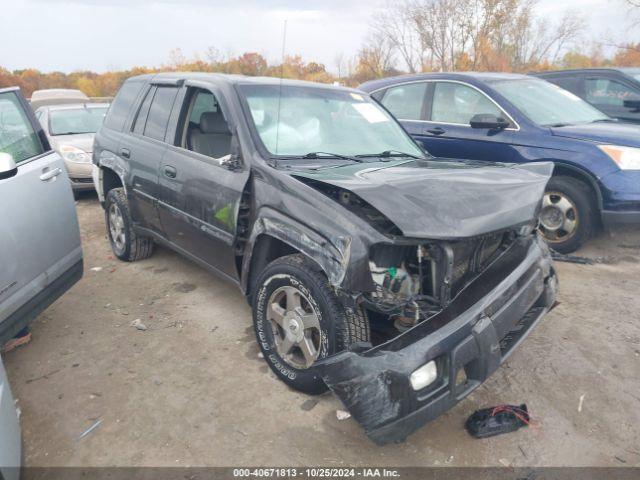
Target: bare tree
[396, 24]
[478, 34]
[214, 56]
[376, 59]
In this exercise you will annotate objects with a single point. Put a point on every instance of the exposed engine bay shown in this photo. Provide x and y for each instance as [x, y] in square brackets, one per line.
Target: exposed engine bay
[415, 282]
[416, 279]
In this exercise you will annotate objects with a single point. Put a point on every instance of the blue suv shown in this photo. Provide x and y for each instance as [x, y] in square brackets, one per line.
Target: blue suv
[492, 117]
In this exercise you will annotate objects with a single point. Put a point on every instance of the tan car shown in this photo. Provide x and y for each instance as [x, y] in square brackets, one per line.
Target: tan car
[70, 129]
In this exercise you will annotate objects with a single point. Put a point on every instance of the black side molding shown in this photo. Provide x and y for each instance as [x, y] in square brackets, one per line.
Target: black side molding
[39, 303]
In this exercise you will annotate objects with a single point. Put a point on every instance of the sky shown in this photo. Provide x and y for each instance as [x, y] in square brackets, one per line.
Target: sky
[102, 35]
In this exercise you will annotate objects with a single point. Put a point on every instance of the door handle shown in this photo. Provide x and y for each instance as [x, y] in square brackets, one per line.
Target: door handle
[436, 131]
[125, 152]
[49, 174]
[170, 171]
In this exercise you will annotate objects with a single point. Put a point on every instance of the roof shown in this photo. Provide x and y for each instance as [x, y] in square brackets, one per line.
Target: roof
[461, 76]
[586, 70]
[57, 96]
[232, 79]
[71, 106]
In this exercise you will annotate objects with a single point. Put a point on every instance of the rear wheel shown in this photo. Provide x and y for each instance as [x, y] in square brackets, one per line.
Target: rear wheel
[567, 218]
[298, 319]
[126, 244]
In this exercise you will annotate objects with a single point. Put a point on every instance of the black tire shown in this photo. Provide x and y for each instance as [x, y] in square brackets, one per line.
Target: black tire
[339, 328]
[579, 194]
[134, 247]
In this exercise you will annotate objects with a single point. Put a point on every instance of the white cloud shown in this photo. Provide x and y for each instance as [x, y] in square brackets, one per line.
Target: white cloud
[105, 34]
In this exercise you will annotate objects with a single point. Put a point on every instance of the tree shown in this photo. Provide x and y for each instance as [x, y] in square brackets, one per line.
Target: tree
[473, 34]
[375, 59]
[396, 24]
[628, 55]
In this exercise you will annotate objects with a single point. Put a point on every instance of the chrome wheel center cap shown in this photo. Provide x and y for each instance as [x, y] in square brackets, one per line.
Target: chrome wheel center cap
[552, 218]
[294, 325]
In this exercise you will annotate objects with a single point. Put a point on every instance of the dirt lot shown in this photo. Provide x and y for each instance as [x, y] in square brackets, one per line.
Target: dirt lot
[191, 389]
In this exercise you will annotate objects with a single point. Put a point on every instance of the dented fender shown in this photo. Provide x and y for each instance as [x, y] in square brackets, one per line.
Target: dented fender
[331, 255]
[109, 160]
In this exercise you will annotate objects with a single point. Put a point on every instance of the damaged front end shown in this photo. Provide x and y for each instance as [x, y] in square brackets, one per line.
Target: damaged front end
[457, 327]
[458, 278]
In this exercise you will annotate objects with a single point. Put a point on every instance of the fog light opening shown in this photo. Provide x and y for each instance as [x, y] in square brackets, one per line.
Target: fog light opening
[424, 376]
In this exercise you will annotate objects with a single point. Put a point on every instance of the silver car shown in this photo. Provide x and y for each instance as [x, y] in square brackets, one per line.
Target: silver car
[70, 129]
[40, 254]
[10, 448]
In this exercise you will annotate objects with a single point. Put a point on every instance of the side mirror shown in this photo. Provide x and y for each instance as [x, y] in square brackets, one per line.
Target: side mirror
[230, 162]
[632, 104]
[8, 167]
[488, 121]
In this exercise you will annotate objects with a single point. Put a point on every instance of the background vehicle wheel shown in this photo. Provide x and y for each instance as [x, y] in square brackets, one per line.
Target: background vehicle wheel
[125, 243]
[567, 218]
[299, 319]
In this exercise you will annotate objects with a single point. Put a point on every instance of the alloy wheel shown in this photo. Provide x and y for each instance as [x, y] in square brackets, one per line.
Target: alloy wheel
[558, 217]
[116, 227]
[295, 326]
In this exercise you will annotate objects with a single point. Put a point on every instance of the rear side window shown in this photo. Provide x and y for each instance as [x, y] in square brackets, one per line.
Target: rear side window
[17, 136]
[159, 112]
[406, 101]
[141, 117]
[602, 91]
[119, 110]
[573, 84]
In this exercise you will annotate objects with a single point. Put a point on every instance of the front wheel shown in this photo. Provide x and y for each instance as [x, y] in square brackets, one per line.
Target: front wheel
[567, 218]
[299, 319]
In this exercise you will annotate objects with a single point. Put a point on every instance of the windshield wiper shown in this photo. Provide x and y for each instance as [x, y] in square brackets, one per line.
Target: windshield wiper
[321, 155]
[389, 154]
[605, 120]
[70, 133]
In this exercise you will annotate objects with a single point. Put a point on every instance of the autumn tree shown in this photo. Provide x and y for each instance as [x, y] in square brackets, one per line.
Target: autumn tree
[473, 34]
[628, 55]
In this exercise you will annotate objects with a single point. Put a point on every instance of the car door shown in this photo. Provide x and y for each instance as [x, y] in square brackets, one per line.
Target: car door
[609, 95]
[40, 254]
[10, 437]
[143, 148]
[447, 131]
[200, 183]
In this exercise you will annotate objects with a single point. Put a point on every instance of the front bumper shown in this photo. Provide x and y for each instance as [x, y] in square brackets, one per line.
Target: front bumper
[621, 197]
[80, 175]
[474, 334]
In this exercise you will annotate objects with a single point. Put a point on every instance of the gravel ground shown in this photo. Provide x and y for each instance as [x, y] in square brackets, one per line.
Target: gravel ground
[192, 390]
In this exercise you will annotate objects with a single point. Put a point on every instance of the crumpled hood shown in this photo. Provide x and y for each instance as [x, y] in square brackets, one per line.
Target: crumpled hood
[83, 141]
[440, 200]
[605, 132]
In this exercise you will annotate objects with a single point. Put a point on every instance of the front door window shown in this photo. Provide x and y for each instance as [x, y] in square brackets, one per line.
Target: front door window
[17, 136]
[457, 103]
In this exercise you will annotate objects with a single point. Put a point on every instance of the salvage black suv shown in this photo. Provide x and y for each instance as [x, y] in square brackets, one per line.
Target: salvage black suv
[398, 280]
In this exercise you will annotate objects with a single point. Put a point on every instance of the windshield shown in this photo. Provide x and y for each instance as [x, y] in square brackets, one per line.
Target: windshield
[547, 104]
[76, 120]
[295, 121]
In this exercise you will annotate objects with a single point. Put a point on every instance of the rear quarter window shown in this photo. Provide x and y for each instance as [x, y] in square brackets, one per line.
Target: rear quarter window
[119, 110]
